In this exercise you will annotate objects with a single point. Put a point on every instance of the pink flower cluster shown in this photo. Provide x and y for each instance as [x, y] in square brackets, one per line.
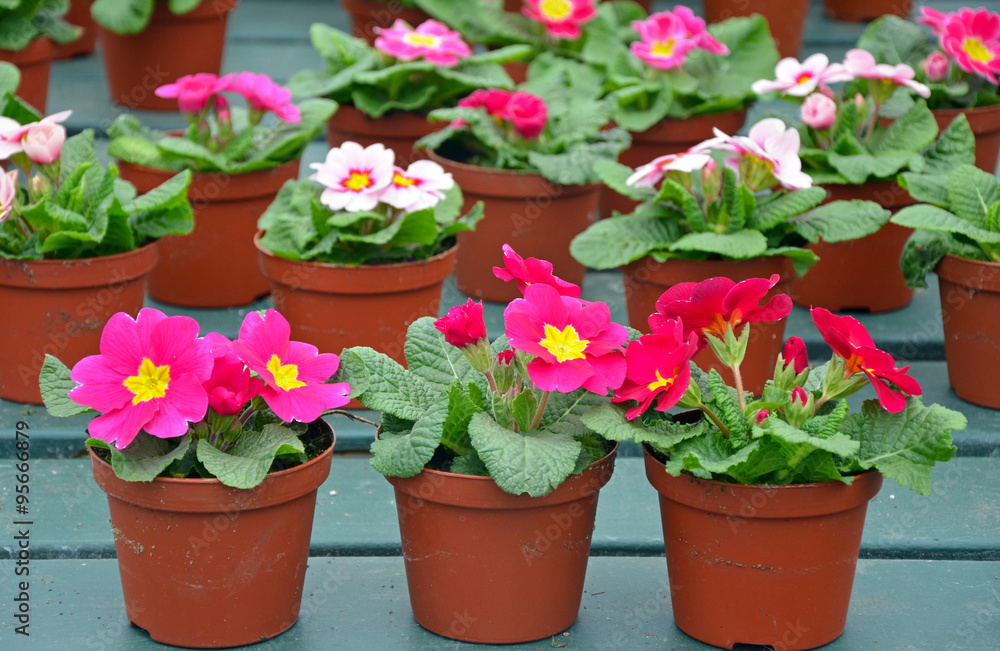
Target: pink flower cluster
[199, 92]
[666, 38]
[358, 178]
[430, 41]
[970, 37]
[525, 112]
[155, 374]
[561, 18]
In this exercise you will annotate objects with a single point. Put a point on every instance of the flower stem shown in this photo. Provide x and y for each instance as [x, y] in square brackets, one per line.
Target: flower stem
[541, 408]
[738, 381]
[715, 419]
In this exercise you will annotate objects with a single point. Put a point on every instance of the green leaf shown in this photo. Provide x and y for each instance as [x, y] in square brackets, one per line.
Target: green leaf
[780, 207]
[839, 444]
[393, 389]
[706, 455]
[614, 175]
[430, 357]
[904, 446]
[609, 421]
[146, 457]
[728, 409]
[406, 455]
[838, 221]
[247, 461]
[911, 132]
[122, 16]
[534, 462]
[738, 245]
[55, 384]
[971, 192]
[938, 220]
[455, 430]
[191, 154]
[611, 243]
[138, 151]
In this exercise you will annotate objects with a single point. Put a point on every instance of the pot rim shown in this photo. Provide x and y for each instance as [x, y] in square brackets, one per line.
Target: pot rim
[20, 273]
[521, 176]
[968, 272]
[38, 51]
[348, 267]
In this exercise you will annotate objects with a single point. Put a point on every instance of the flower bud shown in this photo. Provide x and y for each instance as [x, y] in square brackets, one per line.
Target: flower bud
[801, 408]
[761, 416]
[40, 186]
[504, 371]
[43, 142]
[819, 111]
[936, 66]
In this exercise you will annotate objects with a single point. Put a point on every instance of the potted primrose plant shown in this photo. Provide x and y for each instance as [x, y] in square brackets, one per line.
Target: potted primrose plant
[485, 448]
[362, 248]
[529, 155]
[773, 488]
[193, 429]
[961, 70]
[239, 161]
[958, 238]
[386, 89]
[29, 29]
[747, 216]
[854, 143]
[75, 240]
[149, 43]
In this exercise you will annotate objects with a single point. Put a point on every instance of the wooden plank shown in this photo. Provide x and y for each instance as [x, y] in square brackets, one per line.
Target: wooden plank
[362, 603]
[356, 514]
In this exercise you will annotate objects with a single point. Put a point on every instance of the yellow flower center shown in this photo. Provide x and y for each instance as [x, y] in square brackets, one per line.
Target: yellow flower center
[422, 40]
[803, 78]
[286, 376]
[660, 382]
[565, 344]
[150, 382]
[357, 181]
[401, 181]
[976, 50]
[556, 9]
[664, 48]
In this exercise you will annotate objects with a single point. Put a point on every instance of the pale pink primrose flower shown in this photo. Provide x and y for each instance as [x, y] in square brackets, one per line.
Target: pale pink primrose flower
[263, 95]
[972, 38]
[818, 111]
[43, 142]
[194, 91]
[12, 132]
[561, 18]
[697, 31]
[775, 146]
[8, 193]
[935, 66]
[801, 79]
[652, 173]
[431, 41]
[354, 177]
[664, 41]
[420, 186]
[861, 64]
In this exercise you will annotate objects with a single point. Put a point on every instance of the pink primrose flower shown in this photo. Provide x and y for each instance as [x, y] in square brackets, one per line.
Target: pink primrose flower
[818, 111]
[652, 173]
[657, 367]
[430, 41]
[463, 325]
[494, 100]
[664, 40]
[194, 91]
[355, 177]
[294, 373]
[861, 64]
[769, 143]
[263, 95]
[231, 386]
[697, 31]
[531, 271]
[43, 142]
[575, 343]
[801, 79]
[527, 113]
[795, 353]
[13, 135]
[420, 186]
[851, 341]
[148, 376]
[8, 193]
[561, 18]
[972, 39]
[935, 19]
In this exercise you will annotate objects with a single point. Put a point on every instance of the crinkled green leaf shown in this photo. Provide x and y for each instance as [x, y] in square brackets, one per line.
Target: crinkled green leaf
[838, 221]
[615, 242]
[430, 357]
[406, 454]
[738, 245]
[146, 457]
[55, 384]
[609, 421]
[247, 461]
[393, 389]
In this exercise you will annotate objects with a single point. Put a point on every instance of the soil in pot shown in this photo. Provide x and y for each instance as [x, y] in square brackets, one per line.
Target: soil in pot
[398, 131]
[970, 313]
[785, 18]
[61, 309]
[171, 46]
[645, 280]
[205, 565]
[785, 555]
[667, 137]
[985, 124]
[366, 15]
[513, 565]
[537, 217]
[862, 274]
[859, 11]
[35, 64]
[79, 15]
[216, 264]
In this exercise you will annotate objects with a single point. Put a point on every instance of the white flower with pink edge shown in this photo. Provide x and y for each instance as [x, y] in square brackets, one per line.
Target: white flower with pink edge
[861, 64]
[420, 186]
[769, 141]
[13, 133]
[651, 173]
[354, 177]
[801, 79]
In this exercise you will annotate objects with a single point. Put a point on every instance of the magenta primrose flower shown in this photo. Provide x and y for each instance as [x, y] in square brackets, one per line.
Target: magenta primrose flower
[657, 367]
[851, 341]
[972, 38]
[231, 386]
[527, 113]
[463, 325]
[531, 271]
[431, 41]
[149, 376]
[561, 18]
[294, 372]
[575, 343]
[193, 91]
[708, 307]
[263, 95]
[667, 37]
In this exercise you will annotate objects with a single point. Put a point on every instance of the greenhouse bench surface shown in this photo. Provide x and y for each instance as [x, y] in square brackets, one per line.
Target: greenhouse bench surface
[929, 574]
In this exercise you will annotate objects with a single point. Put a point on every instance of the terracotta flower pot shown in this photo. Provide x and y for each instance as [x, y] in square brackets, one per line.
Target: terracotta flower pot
[79, 15]
[35, 64]
[861, 274]
[397, 131]
[761, 565]
[859, 11]
[645, 280]
[337, 306]
[366, 15]
[786, 19]
[205, 565]
[537, 217]
[59, 308]
[486, 566]
[171, 46]
[216, 264]
[667, 137]
[985, 124]
[970, 312]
